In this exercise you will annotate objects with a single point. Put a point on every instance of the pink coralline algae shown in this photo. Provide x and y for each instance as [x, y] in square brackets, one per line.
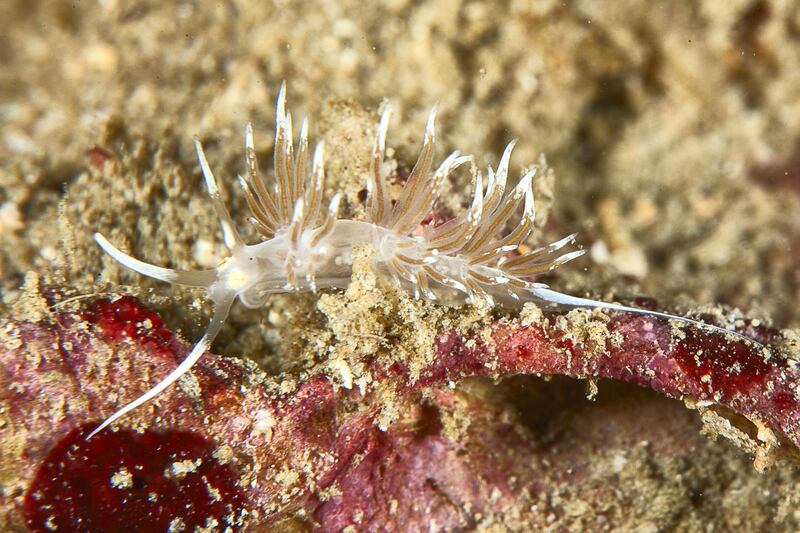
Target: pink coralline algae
[232, 449]
[749, 379]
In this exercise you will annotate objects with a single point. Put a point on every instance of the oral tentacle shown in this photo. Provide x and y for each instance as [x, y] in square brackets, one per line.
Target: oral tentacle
[189, 278]
[217, 320]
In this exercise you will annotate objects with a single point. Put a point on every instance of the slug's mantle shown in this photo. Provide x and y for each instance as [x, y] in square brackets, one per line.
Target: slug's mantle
[305, 248]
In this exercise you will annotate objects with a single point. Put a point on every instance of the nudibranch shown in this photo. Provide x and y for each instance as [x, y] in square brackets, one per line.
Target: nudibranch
[306, 247]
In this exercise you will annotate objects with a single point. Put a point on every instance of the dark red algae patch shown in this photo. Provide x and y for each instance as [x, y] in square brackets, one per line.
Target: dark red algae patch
[722, 369]
[129, 481]
[126, 317]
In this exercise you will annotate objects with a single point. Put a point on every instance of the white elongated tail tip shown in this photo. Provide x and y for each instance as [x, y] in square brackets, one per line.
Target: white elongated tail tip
[560, 299]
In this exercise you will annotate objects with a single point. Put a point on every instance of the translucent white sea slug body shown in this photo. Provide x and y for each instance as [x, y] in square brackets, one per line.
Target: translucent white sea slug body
[306, 247]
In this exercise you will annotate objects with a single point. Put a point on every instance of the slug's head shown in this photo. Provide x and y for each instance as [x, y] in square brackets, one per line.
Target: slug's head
[236, 276]
[223, 283]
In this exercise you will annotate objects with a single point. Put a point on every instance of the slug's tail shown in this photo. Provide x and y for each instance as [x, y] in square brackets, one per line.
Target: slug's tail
[565, 300]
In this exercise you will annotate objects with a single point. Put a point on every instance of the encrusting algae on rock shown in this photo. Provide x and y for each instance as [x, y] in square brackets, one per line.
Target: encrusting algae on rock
[322, 453]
